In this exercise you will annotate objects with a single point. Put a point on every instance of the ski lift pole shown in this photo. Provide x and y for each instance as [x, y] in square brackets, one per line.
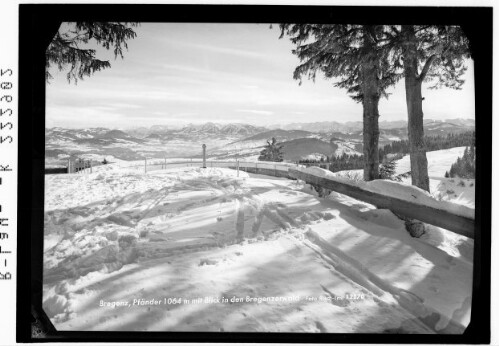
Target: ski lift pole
[237, 166]
[145, 165]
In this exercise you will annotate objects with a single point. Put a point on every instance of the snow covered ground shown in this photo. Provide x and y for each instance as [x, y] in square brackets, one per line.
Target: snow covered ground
[190, 249]
[457, 190]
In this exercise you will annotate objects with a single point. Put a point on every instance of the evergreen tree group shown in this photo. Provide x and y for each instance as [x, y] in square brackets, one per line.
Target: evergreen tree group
[350, 162]
[338, 163]
[346, 162]
[432, 143]
[465, 166]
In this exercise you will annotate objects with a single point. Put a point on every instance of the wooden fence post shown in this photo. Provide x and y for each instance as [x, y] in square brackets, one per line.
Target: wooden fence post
[204, 156]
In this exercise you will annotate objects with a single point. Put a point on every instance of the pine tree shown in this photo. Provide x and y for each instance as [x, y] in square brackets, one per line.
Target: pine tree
[272, 152]
[427, 52]
[447, 174]
[466, 153]
[464, 167]
[67, 47]
[357, 58]
[387, 170]
[452, 172]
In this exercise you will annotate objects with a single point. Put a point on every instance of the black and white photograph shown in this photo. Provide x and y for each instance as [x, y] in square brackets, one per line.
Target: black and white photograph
[259, 177]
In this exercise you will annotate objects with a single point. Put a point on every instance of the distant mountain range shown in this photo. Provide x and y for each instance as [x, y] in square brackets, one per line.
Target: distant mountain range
[238, 129]
[210, 128]
[95, 136]
[353, 126]
[228, 140]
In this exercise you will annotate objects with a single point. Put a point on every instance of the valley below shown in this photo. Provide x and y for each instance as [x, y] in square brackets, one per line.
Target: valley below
[225, 142]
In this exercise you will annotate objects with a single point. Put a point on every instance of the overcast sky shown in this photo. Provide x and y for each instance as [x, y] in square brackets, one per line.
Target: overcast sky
[175, 74]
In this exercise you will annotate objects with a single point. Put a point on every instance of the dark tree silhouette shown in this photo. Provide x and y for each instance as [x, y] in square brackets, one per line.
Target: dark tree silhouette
[67, 47]
[465, 166]
[271, 152]
[387, 170]
[427, 53]
[357, 58]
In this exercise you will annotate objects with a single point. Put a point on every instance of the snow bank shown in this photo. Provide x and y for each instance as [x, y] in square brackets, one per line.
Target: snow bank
[439, 161]
[415, 194]
[324, 173]
[455, 190]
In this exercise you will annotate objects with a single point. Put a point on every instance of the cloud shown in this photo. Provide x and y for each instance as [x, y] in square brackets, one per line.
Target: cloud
[255, 111]
[249, 86]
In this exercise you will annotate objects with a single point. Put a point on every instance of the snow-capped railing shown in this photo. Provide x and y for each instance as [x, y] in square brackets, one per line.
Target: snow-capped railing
[405, 200]
[267, 168]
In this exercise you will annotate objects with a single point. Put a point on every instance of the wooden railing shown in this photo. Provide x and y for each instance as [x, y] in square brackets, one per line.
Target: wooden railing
[442, 218]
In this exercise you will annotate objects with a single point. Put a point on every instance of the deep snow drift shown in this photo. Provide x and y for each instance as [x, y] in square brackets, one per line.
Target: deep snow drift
[191, 249]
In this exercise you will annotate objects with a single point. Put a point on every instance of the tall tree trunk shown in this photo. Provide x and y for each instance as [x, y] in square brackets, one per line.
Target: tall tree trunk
[370, 102]
[371, 136]
[417, 147]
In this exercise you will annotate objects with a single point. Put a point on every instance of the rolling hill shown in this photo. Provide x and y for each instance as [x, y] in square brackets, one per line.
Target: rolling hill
[297, 149]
